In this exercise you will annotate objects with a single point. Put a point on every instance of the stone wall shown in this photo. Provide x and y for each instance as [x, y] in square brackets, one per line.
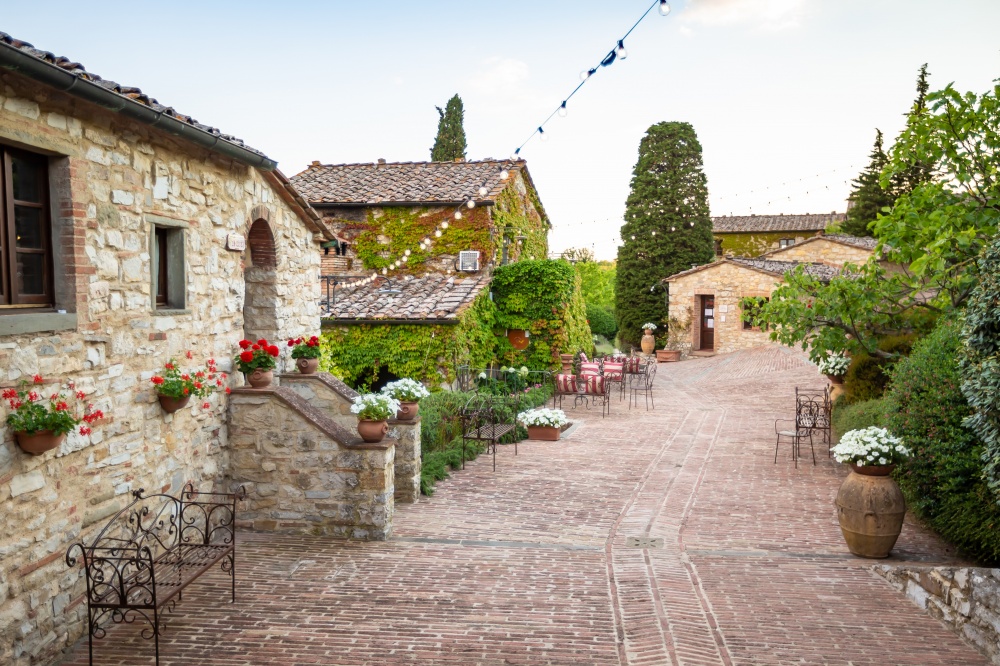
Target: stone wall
[966, 599]
[822, 250]
[729, 284]
[111, 180]
[305, 473]
[333, 398]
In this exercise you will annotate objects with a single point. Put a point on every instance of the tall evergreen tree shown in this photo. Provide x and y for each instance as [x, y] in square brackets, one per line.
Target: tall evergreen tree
[868, 196]
[667, 226]
[919, 171]
[450, 142]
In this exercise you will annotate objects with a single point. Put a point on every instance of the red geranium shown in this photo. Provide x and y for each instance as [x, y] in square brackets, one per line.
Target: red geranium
[259, 356]
[302, 348]
[245, 344]
[174, 383]
[246, 356]
[29, 414]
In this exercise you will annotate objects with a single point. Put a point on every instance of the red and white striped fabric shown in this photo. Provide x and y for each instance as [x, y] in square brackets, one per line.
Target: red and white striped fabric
[566, 383]
[583, 357]
[632, 365]
[590, 368]
[595, 384]
[614, 371]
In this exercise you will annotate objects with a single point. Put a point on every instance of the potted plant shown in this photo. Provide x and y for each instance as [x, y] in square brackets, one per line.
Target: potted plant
[834, 365]
[257, 361]
[542, 423]
[175, 388]
[306, 354]
[870, 505]
[41, 425]
[408, 392]
[374, 410]
[648, 342]
[677, 330]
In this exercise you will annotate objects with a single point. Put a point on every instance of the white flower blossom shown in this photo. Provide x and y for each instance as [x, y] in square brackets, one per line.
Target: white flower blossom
[542, 416]
[865, 446]
[406, 389]
[375, 406]
[649, 325]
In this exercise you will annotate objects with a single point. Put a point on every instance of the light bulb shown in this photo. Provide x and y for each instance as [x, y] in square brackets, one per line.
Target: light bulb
[516, 155]
[562, 110]
[384, 271]
[458, 215]
[633, 237]
[483, 191]
[406, 257]
[426, 240]
[673, 228]
[585, 74]
[374, 275]
[470, 204]
[437, 233]
[406, 253]
[504, 174]
[622, 53]
[664, 7]
[542, 135]
[444, 225]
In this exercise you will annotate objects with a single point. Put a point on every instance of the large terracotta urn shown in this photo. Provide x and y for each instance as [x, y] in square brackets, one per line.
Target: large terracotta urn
[648, 342]
[372, 431]
[870, 507]
[38, 443]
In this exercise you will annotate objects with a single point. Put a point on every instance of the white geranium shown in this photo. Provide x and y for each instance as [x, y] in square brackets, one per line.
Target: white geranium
[482, 375]
[407, 390]
[375, 406]
[650, 325]
[542, 416]
[870, 446]
[834, 363]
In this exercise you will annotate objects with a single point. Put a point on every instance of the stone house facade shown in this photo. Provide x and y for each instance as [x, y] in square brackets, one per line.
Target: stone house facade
[123, 225]
[754, 235]
[831, 249]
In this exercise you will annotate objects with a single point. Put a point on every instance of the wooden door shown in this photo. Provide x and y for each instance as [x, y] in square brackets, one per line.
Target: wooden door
[707, 323]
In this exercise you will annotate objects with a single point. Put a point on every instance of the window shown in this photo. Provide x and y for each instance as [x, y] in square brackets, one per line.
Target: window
[25, 232]
[166, 249]
[718, 247]
[786, 242]
[751, 309]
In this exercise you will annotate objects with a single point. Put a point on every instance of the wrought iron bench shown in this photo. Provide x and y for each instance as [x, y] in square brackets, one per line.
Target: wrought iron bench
[140, 563]
[489, 418]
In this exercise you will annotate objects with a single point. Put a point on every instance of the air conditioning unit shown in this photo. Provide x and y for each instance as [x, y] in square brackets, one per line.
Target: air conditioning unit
[468, 261]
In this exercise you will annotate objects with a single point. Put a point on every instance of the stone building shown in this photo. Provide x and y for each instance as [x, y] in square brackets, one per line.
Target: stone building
[753, 235]
[412, 259]
[123, 228]
[705, 311]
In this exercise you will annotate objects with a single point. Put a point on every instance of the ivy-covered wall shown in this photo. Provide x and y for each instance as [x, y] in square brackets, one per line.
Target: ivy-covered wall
[518, 213]
[544, 298]
[428, 353]
[756, 244]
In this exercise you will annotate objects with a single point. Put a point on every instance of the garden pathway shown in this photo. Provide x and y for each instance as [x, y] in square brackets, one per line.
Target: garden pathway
[535, 563]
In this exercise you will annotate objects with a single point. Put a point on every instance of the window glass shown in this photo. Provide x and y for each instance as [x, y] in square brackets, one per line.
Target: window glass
[28, 227]
[26, 178]
[31, 273]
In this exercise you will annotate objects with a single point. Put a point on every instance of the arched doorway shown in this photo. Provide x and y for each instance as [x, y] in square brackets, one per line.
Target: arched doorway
[260, 305]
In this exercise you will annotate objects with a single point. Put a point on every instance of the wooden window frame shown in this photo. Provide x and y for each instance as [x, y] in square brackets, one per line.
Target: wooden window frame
[173, 232]
[786, 242]
[11, 301]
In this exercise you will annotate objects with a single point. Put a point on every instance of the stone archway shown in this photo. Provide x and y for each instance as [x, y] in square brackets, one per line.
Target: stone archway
[260, 305]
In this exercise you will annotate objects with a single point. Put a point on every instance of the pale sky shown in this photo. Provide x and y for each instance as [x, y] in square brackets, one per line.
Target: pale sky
[785, 95]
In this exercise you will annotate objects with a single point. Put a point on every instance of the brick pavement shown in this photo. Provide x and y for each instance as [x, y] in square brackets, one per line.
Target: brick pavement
[532, 564]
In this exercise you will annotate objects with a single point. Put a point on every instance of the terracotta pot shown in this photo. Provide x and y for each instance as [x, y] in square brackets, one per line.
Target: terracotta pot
[407, 410]
[307, 366]
[668, 355]
[567, 363]
[835, 379]
[372, 431]
[870, 507]
[648, 342]
[544, 433]
[171, 405]
[39, 442]
[260, 378]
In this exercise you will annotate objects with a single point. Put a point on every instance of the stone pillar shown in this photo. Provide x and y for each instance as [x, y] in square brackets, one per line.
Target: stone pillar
[305, 473]
[408, 457]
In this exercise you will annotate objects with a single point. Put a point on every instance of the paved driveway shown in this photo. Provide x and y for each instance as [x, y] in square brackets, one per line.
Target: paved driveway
[542, 561]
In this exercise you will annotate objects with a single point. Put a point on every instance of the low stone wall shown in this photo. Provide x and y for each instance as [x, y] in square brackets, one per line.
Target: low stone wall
[305, 473]
[333, 398]
[966, 599]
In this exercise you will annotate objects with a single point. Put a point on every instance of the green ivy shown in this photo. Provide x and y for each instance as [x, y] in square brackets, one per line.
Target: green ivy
[427, 353]
[516, 215]
[542, 297]
[755, 244]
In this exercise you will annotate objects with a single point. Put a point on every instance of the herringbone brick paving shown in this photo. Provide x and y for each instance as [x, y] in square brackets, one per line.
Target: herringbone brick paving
[530, 565]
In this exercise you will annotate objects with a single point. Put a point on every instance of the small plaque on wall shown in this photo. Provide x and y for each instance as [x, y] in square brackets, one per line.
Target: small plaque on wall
[236, 243]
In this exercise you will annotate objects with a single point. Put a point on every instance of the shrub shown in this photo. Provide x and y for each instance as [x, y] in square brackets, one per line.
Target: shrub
[868, 376]
[943, 479]
[602, 321]
[847, 416]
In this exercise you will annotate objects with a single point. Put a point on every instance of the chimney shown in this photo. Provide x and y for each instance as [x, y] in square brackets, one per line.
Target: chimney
[459, 159]
[381, 160]
[315, 163]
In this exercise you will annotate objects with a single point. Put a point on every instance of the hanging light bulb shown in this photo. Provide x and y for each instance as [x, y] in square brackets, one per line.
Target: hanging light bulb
[458, 215]
[654, 233]
[620, 50]
[444, 225]
[664, 7]
[541, 134]
[633, 237]
[483, 191]
[673, 228]
[587, 73]
[384, 271]
[427, 240]
[406, 253]
[562, 110]
[437, 233]
[504, 174]
[470, 204]
[516, 155]
[374, 275]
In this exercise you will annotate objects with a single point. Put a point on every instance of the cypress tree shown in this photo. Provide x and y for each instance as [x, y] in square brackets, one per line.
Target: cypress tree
[450, 142]
[667, 213]
[868, 196]
[919, 171]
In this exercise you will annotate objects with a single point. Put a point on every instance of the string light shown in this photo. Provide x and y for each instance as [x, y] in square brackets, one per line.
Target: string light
[470, 203]
[616, 53]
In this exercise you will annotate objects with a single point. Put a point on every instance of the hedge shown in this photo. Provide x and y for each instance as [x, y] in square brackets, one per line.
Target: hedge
[847, 416]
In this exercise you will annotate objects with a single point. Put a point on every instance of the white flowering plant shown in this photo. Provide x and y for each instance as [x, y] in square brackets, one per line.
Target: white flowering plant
[834, 363]
[406, 390]
[375, 406]
[650, 326]
[870, 446]
[555, 418]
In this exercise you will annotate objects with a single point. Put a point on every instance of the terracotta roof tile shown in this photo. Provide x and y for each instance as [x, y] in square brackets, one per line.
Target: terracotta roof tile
[403, 182]
[433, 296]
[128, 92]
[822, 272]
[736, 224]
[864, 242]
